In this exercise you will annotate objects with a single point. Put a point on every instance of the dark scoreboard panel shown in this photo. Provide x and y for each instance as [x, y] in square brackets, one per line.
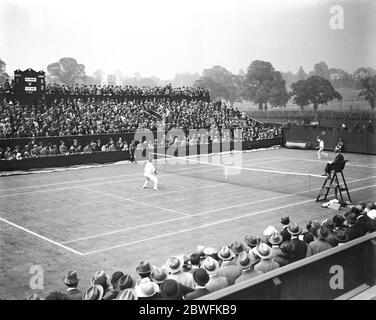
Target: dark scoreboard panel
[29, 81]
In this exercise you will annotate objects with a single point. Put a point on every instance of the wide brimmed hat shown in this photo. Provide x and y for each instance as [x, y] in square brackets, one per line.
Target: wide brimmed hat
[146, 288]
[143, 267]
[323, 232]
[372, 214]
[170, 289]
[124, 282]
[71, 278]
[226, 254]
[244, 260]
[115, 277]
[201, 277]
[275, 239]
[294, 229]
[158, 275]
[264, 251]
[237, 247]
[99, 278]
[269, 231]
[95, 292]
[285, 220]
[211, 265]
[342, 236]
[127, 294]
[174, 264]
[252, 241]
[208, 251]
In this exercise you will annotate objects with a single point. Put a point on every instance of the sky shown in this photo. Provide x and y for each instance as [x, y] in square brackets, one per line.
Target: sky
[164, 37]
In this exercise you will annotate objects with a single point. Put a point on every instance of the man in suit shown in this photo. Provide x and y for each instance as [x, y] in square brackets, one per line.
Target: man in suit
[320, 244]
[286, 236]
[299, 247]
[332, 165]
[229, 268]
[355, 228]
[216, 282]
[201, 278]
[71, 281]
[247, 265]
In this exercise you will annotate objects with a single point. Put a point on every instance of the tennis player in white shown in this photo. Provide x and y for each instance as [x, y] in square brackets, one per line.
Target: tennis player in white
[321, 148]
[149, 174]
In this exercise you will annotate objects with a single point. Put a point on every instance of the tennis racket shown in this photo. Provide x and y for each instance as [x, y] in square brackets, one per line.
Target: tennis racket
[159, 168]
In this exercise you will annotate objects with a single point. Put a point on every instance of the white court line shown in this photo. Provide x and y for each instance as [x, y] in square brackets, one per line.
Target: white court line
[41, 237]
[138, 202]
[347, 164]
[108, 182]
[199, 214]
[209, 224]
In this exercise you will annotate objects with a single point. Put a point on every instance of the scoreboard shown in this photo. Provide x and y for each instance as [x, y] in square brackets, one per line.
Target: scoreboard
[29, 81]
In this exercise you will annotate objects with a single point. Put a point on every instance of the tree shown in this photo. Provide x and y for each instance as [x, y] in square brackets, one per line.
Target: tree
[98, 76]
[66, 71]
[264, 85]
[369, 90]
[340, 78]
[3, 75]
[289, 77]
[321, 69]
[221, 83]
[314, 90]
[301, 75]
[360, 74]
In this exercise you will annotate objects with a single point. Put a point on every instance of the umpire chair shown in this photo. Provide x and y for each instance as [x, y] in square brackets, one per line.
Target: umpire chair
[333, 182]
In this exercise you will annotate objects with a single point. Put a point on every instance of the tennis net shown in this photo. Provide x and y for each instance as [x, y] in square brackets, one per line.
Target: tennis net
[286, 182]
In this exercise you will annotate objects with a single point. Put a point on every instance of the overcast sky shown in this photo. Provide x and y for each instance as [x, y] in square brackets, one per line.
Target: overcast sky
[164, 37]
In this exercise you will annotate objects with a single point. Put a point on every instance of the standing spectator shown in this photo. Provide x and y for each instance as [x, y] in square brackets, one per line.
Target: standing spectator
[284, 258]
[143, 270]
[158, 275]
[71, 281]
[173, 290]
[275, 240]
[299, 247]
[286, 236]
[95, 292]
[147, 290]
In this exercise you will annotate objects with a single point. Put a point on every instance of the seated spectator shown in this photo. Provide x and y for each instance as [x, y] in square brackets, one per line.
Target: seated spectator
[216, 282]
[342, 236]
[71, 281]
[100, 278]
[195, 261]
[311, 233]
[248, 271]
[320, 244]
[127, 294]
[355, 229]
[252, 241]
[158, 275]
[174, 265]
[237, 247]
[265, 253]
[201, 278]
[284, 258]
[299, 247]
[147, 290]
[94, 292]
[173, 290]
[275, 240]
[119, 282]
[143, 269]
[228, 269]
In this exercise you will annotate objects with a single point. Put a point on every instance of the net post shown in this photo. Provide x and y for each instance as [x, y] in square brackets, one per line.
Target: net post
[226, 173]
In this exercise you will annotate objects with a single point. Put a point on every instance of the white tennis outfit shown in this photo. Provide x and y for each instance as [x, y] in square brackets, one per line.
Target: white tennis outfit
[149, 174]
[321, 149]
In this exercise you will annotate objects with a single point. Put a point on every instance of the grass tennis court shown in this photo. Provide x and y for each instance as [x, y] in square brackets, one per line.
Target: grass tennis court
[99, 218]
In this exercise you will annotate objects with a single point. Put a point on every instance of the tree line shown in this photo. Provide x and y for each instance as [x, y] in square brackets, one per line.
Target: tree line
[261, 83]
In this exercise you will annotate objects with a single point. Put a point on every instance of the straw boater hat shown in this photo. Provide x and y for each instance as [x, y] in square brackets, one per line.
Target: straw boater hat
[127, 294]
[226, 254]
[174, 264]
[294, 229]
[211, 265]
[146, 288]
[264, 251]
[95, 292]
[71, 278]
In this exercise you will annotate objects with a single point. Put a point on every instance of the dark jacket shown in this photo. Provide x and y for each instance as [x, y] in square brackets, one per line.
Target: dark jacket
[285, 235]
[196, 294]
[299, 249]
[73, 294]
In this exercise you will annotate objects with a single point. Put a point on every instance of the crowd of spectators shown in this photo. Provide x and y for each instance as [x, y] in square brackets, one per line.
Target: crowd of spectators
[120, 92]
[189, 276]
